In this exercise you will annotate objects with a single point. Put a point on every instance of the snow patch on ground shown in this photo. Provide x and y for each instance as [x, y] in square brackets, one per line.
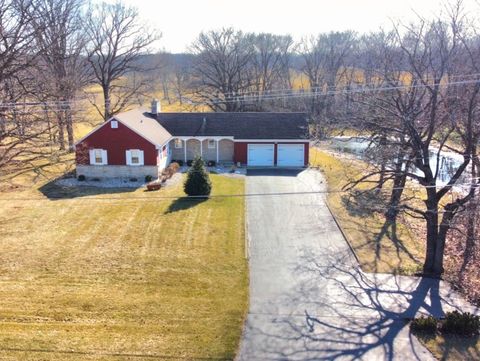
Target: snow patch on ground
[114, 182]
[127, 183]
[227, 171]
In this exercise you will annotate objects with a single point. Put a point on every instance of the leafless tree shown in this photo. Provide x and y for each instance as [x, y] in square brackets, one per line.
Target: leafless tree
[61, 69]
[270, 64]
[425, 114]
[326, 66]
[117, 39]
[222, 68]
[21, 135]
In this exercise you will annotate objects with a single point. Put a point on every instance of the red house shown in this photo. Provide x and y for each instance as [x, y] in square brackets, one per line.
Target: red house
[139, 143]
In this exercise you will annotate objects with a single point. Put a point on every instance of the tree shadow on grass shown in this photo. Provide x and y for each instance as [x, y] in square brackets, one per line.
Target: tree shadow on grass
[184, 203]
[389, 230]
[362, 203]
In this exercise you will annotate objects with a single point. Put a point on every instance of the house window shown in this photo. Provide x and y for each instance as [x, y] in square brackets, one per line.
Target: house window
[114, 124]
[98, 156]
[211, 143]
[134, 157]
[178, 143]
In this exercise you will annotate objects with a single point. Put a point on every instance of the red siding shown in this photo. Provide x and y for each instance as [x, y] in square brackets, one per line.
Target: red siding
[307, 153]
[116, 142]
[240, 151]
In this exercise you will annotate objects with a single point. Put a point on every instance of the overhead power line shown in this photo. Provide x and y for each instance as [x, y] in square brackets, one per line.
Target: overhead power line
[234, 195]
[279, 93]
[361, 89]
[352, 84]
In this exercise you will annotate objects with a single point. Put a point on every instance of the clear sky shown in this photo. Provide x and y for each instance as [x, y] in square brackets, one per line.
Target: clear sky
[180, 21]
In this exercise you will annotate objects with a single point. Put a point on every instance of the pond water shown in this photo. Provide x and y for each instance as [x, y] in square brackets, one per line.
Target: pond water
[358, 146]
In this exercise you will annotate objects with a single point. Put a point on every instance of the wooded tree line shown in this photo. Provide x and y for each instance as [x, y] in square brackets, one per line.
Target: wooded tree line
[51, 51]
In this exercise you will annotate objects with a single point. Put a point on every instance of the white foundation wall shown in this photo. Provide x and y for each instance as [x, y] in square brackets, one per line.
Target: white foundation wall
[117, 171]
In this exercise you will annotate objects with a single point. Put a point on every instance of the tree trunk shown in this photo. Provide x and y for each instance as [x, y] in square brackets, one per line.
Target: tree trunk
[470, 237]
[431, 218]
[69, 126]
[61, 136]
[440, 248]
[107, 104]
[395, 197]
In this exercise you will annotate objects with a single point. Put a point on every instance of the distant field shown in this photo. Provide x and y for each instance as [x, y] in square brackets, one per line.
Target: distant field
[115, 278]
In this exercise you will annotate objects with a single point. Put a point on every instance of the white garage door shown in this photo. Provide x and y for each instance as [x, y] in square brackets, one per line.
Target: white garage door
[260, 154]
[291, 155]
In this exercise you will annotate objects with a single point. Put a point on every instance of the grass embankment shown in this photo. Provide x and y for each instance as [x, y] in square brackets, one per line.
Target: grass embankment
[379, 248]
[114, 277]
[379, 251]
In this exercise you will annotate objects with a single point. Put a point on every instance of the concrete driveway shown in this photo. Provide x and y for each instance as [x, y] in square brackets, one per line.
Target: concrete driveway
[308, 298]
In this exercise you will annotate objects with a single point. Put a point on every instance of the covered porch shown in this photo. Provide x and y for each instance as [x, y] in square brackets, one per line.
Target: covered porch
[217, 149]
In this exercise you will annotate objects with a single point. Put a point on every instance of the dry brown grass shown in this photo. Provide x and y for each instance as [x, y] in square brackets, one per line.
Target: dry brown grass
[453, 348]
[113, 277]
[378, 249]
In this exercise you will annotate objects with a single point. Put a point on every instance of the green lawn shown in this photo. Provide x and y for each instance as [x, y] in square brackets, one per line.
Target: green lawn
[113, 278]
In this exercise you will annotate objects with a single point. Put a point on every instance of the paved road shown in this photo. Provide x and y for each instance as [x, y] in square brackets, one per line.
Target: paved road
[308, 299]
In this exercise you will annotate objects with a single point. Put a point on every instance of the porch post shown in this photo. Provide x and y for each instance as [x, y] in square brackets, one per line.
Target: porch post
[201, 148]
[185, 150]
[216, 146]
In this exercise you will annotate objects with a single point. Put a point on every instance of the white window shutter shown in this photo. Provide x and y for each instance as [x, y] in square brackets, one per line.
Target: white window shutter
[104, 157]
[91, 152]
[128, 157]
[141, 157]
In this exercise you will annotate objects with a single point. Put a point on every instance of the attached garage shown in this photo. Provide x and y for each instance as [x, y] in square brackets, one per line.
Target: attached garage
[291, 155]
[261, 155]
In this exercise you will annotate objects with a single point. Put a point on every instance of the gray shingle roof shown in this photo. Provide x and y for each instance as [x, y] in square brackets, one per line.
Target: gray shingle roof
[247, 125]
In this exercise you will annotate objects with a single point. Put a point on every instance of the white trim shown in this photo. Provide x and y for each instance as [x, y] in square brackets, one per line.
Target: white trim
[175, 143]
[273, 140]
[220, 137]
[128, 155]
[93, 158]
[133, 130]
[157, 147]
[104, 157]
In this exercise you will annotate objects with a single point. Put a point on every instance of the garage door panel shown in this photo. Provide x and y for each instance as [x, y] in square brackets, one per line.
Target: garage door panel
[291, 155]
[261, 154]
